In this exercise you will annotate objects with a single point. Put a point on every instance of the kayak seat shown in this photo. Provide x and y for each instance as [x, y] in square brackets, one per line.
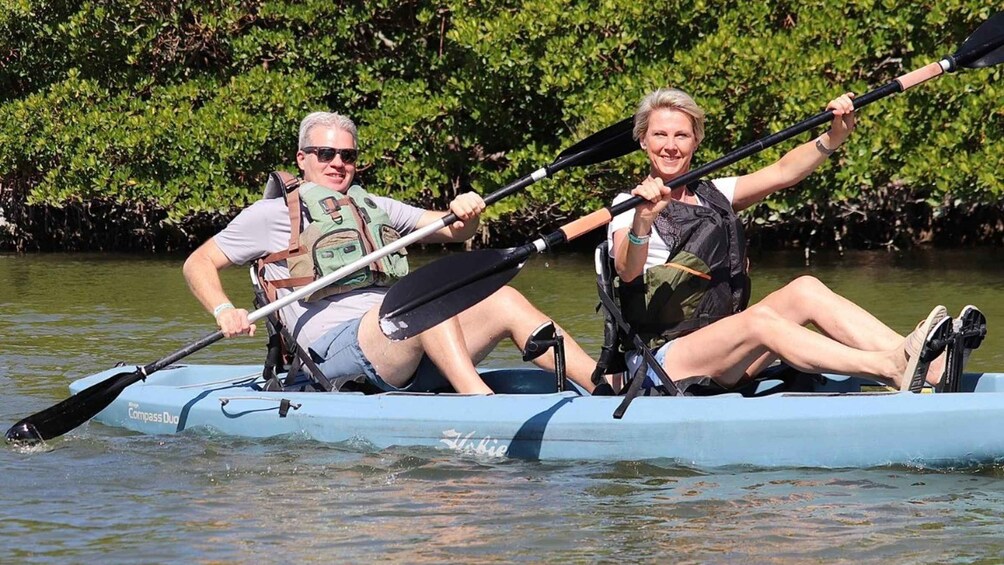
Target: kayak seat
[619, 339]
[283, 355]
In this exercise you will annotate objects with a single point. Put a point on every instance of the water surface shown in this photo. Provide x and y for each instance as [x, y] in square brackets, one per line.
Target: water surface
[108, 495]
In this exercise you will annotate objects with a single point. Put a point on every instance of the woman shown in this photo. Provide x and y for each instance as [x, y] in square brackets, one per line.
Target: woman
[681, 259]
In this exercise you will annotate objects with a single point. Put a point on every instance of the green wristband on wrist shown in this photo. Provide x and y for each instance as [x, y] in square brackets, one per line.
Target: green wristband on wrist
[637, 240]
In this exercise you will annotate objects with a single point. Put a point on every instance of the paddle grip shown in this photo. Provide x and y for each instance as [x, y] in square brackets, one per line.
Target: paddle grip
[586, 223]
[923, 74]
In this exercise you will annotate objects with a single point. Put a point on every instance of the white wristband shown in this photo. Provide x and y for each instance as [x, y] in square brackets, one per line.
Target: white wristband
[219, 309]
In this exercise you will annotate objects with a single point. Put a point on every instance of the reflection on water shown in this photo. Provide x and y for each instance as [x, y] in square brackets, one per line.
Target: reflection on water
[107, 494]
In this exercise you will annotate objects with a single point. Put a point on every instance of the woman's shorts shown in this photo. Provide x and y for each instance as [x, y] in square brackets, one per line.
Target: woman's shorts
[633, 359]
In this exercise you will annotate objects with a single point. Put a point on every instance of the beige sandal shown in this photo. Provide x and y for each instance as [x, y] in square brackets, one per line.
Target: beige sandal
[913, 380]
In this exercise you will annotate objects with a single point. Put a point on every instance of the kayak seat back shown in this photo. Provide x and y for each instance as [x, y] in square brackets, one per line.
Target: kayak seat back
[618, 335]
[283, 355]
[519, 380]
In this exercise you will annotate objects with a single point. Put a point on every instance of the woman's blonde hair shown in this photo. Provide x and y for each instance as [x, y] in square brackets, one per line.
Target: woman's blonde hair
[673, 99]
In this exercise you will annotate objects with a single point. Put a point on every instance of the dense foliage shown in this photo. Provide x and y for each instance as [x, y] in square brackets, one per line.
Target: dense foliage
[136, 124]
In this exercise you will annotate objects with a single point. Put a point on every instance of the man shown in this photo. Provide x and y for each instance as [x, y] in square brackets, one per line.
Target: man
[341, 331]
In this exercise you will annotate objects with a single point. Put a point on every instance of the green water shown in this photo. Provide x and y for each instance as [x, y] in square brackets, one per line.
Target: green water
[103, 494]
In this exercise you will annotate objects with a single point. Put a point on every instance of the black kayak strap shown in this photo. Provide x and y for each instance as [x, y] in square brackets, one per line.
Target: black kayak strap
[648, 360]
[300, 357]
[607, 361]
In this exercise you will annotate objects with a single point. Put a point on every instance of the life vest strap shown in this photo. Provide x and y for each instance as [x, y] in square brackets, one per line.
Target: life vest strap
[292, 283]
[687, 269]
[291, 195]
[282, 255]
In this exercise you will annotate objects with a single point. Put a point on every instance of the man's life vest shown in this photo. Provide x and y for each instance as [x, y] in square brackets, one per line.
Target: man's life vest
[705, 278]
[341, 229]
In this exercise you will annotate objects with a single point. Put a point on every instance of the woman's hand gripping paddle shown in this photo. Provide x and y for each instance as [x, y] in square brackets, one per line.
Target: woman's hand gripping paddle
[446, 287]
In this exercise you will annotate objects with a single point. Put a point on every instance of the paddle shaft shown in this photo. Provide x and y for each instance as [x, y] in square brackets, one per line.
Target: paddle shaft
[981, 49]
[413, 237]
[70, 413]
[401, 243]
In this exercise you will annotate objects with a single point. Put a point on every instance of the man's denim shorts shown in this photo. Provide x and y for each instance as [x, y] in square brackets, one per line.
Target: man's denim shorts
[337, 354]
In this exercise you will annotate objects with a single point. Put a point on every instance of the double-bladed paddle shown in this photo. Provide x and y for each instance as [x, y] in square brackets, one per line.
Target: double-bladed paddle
[446, 287]
[609, 143]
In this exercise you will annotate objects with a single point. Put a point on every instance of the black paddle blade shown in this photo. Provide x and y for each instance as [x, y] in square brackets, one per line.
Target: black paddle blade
[985, 46]
[609, 143]
[446, 287]
[72, 412]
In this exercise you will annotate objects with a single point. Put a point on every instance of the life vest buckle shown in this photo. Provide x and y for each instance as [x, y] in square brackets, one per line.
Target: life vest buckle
[331, 207]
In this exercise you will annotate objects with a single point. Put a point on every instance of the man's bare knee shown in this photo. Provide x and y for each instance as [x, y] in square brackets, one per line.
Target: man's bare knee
[508, 295]
[507, 301]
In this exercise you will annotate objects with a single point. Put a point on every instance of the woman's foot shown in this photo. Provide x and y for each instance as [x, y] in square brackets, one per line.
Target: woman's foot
[936, 369]
[919, 344]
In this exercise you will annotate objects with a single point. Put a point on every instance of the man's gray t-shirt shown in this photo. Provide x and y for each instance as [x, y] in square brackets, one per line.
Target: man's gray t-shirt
[263, 228]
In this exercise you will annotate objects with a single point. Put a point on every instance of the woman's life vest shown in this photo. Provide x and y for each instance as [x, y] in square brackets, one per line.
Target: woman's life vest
[705, 278]
[341, 229]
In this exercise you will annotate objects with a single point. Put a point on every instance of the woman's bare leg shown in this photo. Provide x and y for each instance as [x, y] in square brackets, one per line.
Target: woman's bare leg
[728, 348]
[806, 300]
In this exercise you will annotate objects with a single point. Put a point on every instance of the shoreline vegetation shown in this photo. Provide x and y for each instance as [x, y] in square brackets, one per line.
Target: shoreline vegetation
[902, 222]
[139, 127]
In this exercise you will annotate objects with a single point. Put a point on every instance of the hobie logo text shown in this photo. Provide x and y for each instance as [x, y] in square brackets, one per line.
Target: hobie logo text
[457, 441]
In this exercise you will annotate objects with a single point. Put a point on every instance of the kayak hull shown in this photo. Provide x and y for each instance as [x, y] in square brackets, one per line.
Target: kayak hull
[835, 425]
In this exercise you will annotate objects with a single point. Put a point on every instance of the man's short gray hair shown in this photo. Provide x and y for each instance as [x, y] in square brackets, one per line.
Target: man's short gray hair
[326, 119]
[673, 99]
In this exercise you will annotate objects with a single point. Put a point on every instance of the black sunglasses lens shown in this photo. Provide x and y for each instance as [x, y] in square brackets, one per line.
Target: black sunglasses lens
[325, 154]
[348, 155]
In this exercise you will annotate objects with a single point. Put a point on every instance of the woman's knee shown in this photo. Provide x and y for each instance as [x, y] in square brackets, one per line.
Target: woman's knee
[807, 288]
[762, 322]
[798, 300]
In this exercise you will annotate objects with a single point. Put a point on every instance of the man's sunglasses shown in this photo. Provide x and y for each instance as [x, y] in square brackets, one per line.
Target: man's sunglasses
[325, 154]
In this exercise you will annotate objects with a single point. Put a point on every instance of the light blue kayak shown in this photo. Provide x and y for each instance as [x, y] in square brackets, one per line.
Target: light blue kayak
[841, 422]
